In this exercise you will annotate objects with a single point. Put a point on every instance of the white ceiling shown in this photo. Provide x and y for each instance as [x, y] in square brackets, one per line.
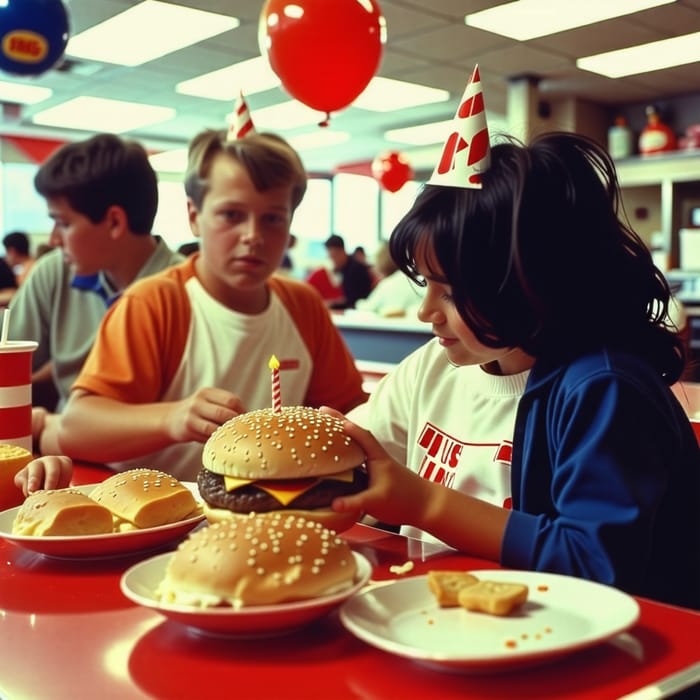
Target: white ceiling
[427, 42]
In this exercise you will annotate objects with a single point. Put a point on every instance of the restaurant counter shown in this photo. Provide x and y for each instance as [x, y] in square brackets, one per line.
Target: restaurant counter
[67, 632]
[377, 339]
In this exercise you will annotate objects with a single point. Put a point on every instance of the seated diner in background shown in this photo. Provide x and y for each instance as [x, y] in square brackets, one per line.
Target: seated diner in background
[355, 278]
[8, 283]
[204, 330]
[102, 195]
[18, 254]
[394, 295]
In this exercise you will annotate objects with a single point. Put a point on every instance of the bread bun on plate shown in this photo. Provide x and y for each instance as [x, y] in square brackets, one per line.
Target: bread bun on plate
[61, 512]
[262, 559]
[142, 498]
[297, 460]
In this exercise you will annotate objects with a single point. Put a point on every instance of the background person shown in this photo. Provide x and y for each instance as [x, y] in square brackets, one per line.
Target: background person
[102, 195]
[394, 295]
[8, 283]
[18, 254]
[188, 349]
[355, 277]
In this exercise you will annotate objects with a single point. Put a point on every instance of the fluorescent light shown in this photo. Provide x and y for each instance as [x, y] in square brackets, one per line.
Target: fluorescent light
[99, 114]
[323, 138]
[386, 94]
[146, 31]
[23, 94]
[656, 55]
[174, 161]
[251, 76]
[284, 116]
[528, 19]
[421, 135]
[436, 132]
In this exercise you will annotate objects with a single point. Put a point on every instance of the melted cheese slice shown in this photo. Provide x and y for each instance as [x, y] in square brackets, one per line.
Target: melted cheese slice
[285, 490]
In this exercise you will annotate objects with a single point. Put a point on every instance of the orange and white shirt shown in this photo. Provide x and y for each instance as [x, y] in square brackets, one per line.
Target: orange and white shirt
[167, 337]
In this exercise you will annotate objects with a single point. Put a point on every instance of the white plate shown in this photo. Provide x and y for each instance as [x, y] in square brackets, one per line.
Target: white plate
[108, 545]
[140, 582]
[562, 614]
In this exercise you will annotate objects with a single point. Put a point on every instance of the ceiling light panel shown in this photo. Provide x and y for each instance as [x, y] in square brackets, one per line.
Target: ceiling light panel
[147, 31]
[386, 94]
[678, 51]
[23, 94]
[99, 114]
[250, 77]
[529, 19]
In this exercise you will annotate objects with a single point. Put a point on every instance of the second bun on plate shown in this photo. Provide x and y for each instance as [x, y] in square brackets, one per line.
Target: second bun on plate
[262, 559]
[142, 498]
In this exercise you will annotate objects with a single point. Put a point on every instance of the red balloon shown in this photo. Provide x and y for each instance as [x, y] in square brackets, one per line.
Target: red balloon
[392, 171]
[325, 53]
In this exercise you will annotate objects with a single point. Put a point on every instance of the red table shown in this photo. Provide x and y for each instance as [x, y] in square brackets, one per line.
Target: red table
[66, 631]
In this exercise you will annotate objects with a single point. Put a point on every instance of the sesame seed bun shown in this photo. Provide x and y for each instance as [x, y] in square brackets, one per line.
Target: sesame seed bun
[261, 559]
[296, 443]
[61, 513]
[142, 498]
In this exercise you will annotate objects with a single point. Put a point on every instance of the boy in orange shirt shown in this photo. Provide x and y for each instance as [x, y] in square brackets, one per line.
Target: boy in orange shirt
[188, 349]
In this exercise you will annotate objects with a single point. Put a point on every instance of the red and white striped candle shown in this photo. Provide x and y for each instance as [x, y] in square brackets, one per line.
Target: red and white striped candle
[16, 392]
[274, 365]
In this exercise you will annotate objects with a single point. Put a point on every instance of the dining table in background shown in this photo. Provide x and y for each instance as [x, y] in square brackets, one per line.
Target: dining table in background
[68, 632]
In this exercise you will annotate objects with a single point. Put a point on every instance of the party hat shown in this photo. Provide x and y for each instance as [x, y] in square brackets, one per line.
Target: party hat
[242, 123]
[466, 153]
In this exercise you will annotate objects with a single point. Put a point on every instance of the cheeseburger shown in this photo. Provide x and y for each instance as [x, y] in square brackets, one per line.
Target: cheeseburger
[297, 460]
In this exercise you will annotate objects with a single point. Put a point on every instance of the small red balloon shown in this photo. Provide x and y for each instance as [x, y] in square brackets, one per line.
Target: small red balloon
[325, 53]
[391, 170]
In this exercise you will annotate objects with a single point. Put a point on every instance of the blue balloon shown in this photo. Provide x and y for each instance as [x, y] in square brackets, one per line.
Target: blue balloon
[33, 35]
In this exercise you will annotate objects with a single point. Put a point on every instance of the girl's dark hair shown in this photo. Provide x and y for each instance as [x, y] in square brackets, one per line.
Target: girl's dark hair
[100, 172]
[540, 259]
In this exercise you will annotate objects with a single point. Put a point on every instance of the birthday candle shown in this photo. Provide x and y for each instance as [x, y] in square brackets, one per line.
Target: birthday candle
[274, 365]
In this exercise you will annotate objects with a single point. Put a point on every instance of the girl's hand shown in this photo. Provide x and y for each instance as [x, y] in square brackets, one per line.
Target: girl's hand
[52, 472]
[395, 494]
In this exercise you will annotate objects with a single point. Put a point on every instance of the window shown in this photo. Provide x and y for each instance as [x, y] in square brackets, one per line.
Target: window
[356, 211]
[394, 205]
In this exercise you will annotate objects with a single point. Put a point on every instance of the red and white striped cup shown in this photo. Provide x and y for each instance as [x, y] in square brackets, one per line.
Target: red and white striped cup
[16, 392]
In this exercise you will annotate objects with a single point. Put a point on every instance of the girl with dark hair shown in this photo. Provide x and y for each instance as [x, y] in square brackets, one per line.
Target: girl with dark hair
[536, 270]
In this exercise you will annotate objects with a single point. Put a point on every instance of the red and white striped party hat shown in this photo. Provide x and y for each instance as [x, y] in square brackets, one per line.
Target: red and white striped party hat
[466, 152]
[242, 123]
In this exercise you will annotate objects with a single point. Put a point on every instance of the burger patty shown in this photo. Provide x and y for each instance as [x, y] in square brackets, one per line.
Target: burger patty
[251, 498]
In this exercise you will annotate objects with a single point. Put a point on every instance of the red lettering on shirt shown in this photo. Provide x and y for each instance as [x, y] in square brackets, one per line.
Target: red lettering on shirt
[434, 471]
[504, 453]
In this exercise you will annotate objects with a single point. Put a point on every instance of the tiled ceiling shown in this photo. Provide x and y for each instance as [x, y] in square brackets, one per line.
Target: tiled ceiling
[427, 42]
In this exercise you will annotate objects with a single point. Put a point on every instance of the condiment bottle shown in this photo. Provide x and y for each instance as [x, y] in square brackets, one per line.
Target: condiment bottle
[656, 136]
[620, 139]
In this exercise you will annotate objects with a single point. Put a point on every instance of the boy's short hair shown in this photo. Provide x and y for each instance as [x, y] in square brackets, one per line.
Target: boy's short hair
[269, 160]
[335, 241]
[101, 172]
[18, 240]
